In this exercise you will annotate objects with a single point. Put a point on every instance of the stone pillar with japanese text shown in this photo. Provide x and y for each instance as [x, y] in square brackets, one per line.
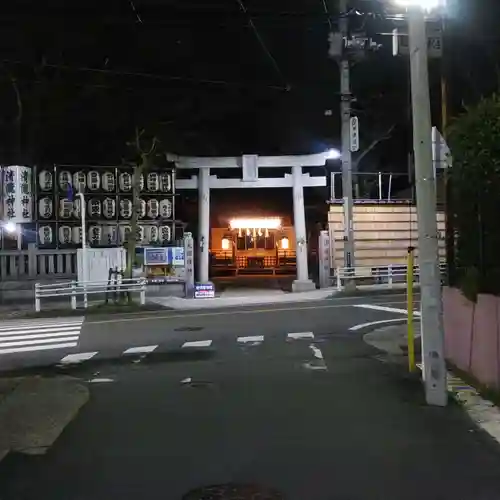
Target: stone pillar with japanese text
[17, 201]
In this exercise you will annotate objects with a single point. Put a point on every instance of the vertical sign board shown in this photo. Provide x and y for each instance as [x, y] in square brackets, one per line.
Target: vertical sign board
[324, 259]
[401, 45]
[354, 136]
[177, 256]
[189, 262]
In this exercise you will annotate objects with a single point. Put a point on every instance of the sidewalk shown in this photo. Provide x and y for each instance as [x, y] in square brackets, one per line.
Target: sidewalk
[35, 410]
[392, 341]
[243, 298]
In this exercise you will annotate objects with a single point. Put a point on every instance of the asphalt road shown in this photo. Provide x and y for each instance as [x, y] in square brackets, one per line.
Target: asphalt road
[45, 342]
[315, 417]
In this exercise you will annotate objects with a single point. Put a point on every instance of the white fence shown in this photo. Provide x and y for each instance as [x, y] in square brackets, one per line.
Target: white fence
[385, 276]
[34, 263]
[75, 290]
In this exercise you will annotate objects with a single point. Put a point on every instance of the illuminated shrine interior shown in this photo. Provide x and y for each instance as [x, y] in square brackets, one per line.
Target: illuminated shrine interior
[255, 233]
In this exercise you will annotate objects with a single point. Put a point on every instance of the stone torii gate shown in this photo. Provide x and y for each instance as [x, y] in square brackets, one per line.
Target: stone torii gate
[250, 164]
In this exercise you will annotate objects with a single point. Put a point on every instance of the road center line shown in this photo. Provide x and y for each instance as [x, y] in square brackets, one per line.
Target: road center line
[140, 349]
[301, 335]
[198, 343]
[255, 338]
[78, 357]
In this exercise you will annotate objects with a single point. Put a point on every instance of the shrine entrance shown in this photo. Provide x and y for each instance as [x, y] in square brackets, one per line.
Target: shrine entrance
[289, 244]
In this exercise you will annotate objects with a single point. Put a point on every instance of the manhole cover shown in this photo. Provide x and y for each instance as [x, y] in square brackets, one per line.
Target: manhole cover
[233, 492]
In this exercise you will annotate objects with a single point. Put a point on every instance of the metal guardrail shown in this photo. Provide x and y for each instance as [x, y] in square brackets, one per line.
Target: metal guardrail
[380, 275]
[73, 289]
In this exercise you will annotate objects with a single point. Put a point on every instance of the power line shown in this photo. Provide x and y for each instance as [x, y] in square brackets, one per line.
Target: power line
[325, 8]
[135, 11]
[153, 76]
[262, 43]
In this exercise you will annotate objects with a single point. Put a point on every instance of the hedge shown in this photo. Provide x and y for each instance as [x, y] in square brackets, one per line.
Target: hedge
[474, 198]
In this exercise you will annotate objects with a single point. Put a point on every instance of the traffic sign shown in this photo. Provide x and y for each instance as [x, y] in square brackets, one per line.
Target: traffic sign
[354, 135]
[400, 43]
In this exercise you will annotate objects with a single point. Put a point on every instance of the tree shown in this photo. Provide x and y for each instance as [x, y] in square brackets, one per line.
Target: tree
[358, 158]
[145, 151]
[474, 199]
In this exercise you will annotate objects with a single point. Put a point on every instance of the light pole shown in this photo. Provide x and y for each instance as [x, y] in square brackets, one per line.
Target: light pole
[433, 359]
[345, 119]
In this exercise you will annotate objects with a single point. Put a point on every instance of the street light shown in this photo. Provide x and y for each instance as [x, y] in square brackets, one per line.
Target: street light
[333, 154]
[434, 367]
[10, 227]
[423, 4]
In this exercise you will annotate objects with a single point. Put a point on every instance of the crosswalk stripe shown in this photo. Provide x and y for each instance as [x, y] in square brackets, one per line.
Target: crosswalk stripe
[38, 348]
[38, 335]
[39, 331]
[38, 341]
[64, 333]
[36, 325]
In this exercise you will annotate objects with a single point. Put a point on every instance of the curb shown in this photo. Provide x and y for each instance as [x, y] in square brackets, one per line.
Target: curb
[482, 412]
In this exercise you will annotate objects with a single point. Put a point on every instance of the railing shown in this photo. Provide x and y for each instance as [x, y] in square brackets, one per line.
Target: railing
[383, 275]
[371, 187]
[73, 289]
[34, 263]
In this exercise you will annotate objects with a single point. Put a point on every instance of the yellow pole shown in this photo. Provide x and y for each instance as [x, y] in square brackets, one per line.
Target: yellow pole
[409, 298]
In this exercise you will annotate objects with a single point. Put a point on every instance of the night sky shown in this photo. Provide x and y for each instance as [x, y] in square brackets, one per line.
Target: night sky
[214, 77]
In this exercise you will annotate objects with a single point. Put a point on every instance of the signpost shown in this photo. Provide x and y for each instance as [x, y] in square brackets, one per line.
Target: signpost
[204, 291]
[189, 263]
[324, 259]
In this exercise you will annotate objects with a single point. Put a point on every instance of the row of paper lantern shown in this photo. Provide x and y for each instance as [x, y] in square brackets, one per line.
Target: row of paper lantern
[107, 208]
[94, 181]
[110, 235]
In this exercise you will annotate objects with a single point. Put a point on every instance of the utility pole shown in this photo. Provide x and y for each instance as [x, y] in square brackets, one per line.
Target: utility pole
[430, 278]
[345, 117]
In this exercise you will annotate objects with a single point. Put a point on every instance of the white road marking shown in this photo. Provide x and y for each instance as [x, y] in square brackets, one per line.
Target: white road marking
[30, 324]
[48, 330]
[373, 323]
[141, 349]
[385, 309]
[198, 343]
[301, 335]
[319, 363]
[37, 335]
[255, 338]
[130, 317]
[100, 380]
[78, 357]
[311, 366]
[38, 348]
[187, 380]
[38, 341]
[317, 352]
[28, 337]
